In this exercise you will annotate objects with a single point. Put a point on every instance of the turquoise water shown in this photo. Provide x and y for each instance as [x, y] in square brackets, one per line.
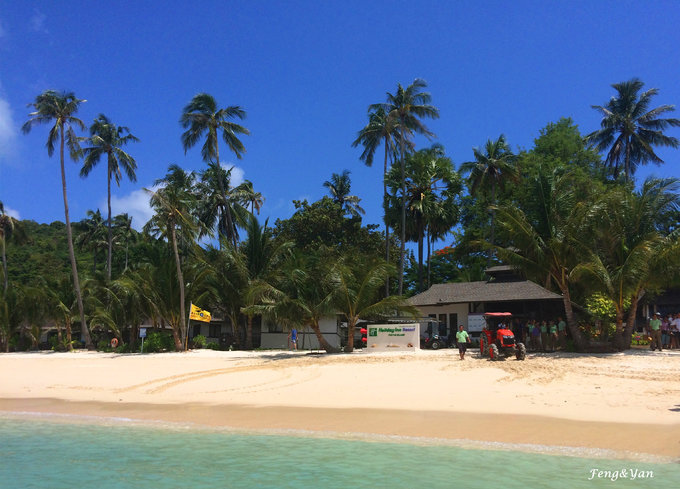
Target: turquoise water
[41, 454]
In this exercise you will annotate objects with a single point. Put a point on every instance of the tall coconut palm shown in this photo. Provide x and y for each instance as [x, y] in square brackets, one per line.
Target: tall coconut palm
[122, 224]
[491, 169]
[7, 226]
[60, 109]
[432, 185]
[381, 129]
[255, 199]
[108, 139]
[339, 188]
[630, 129]
[92, 235]
[200, 118]
[407, 106]
[173, 204]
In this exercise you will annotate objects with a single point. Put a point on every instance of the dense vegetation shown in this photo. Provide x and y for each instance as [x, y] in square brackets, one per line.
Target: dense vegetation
[567, 218]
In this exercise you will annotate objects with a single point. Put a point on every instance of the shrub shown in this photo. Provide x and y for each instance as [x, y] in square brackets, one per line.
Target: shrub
[157, 342]
[213, 345]
[199, 341]
[103, 345]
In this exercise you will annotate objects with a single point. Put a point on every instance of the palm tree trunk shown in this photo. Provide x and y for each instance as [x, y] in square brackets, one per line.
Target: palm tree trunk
[624, 340]
[420, 256]
[402, 246]
[227, 210]
[320, 338]
[429, 246]
[387, 226]
[4, 267]
[249, 333]
[85, 333]
[351, 326]
[180, 280]
[108, 258]
[493, 223]
[579, 341]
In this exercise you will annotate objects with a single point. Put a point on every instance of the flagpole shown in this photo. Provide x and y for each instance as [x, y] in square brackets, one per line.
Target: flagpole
[186, 330]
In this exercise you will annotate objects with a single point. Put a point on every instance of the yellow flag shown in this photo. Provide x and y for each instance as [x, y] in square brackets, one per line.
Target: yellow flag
[198, 314]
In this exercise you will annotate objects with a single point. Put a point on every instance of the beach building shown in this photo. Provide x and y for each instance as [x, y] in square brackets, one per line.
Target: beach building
[455, 304]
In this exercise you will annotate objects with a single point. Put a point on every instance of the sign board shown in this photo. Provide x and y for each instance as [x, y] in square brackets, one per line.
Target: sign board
[393, 337]
[142, 332]
[476, 322]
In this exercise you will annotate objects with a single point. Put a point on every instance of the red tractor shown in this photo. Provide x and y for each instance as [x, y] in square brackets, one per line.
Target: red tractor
[497, 339]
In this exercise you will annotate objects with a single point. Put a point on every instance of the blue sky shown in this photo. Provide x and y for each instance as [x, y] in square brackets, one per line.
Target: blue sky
[305, 72]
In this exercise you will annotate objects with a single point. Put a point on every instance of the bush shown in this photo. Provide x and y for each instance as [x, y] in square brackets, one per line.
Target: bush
[157, 342]
[213, 345]
[103, 345]
[199, 341]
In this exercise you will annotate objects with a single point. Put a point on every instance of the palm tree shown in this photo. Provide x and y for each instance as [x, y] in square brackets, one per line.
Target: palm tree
[60, 108]
[356, 286]
[221, 206]
[630, 129]
[381, 129]
[122, 223]
[7, 226]
[490, 170]
[547, 247]
[202, 117]
[432, 186]
[108, 139]
[407, 106]
[173, 204]
[92, 235]
[255, 199]
[339, 187]
[630, 254]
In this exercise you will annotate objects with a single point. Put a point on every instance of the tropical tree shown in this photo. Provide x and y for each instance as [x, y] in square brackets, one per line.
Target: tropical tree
[630, 129]
[173, 204]
[432, 187]
[301, 296]
[255, 199]
[339, 189]
[381, 129]
[356, 284]
[201, 118]
[92, 235]
[7, 226]
[60, 109]
[630, 255]
[547, 246]
[108, 139]
[407, 106]
[122, 225]
[491, 169]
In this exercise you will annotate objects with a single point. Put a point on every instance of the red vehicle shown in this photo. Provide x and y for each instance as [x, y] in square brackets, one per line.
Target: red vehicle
[497, 340]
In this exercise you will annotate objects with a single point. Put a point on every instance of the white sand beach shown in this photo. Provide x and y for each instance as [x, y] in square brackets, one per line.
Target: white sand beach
[627, 402]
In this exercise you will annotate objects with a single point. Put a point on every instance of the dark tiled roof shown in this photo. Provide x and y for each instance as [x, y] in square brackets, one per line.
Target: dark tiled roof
[501, 268]
[482, 292]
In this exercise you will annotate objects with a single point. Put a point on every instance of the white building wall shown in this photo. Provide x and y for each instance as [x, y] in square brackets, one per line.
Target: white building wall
[306, 337]
[460, 309]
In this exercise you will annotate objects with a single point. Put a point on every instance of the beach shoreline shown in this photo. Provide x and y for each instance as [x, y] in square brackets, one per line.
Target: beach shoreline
[624, 406]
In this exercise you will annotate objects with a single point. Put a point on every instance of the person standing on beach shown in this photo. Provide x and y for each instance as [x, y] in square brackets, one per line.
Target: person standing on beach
[544, 335]
[562, 332]
[292, 339]
[462, 338]
[665, 331]
[674, 332]
[655, 332]
[553, 335]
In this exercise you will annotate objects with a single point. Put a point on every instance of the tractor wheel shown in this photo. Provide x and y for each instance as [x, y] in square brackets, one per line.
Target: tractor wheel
[521, 351]
[493, 352]
[482, 346]
[435, 345]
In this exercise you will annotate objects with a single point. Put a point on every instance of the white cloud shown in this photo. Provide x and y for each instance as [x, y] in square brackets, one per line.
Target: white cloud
[12, 212]
[237, 174]
[8, 130]
[37, 22]
[136, 204]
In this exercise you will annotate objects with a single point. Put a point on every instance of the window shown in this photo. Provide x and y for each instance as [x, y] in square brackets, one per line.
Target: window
[453, 322]
[215, 330]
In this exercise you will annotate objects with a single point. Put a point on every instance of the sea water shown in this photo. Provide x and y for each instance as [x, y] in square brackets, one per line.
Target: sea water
[47, 454]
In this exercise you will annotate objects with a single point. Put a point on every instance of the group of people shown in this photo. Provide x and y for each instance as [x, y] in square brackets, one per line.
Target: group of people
[545, 335]
[664, 332]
